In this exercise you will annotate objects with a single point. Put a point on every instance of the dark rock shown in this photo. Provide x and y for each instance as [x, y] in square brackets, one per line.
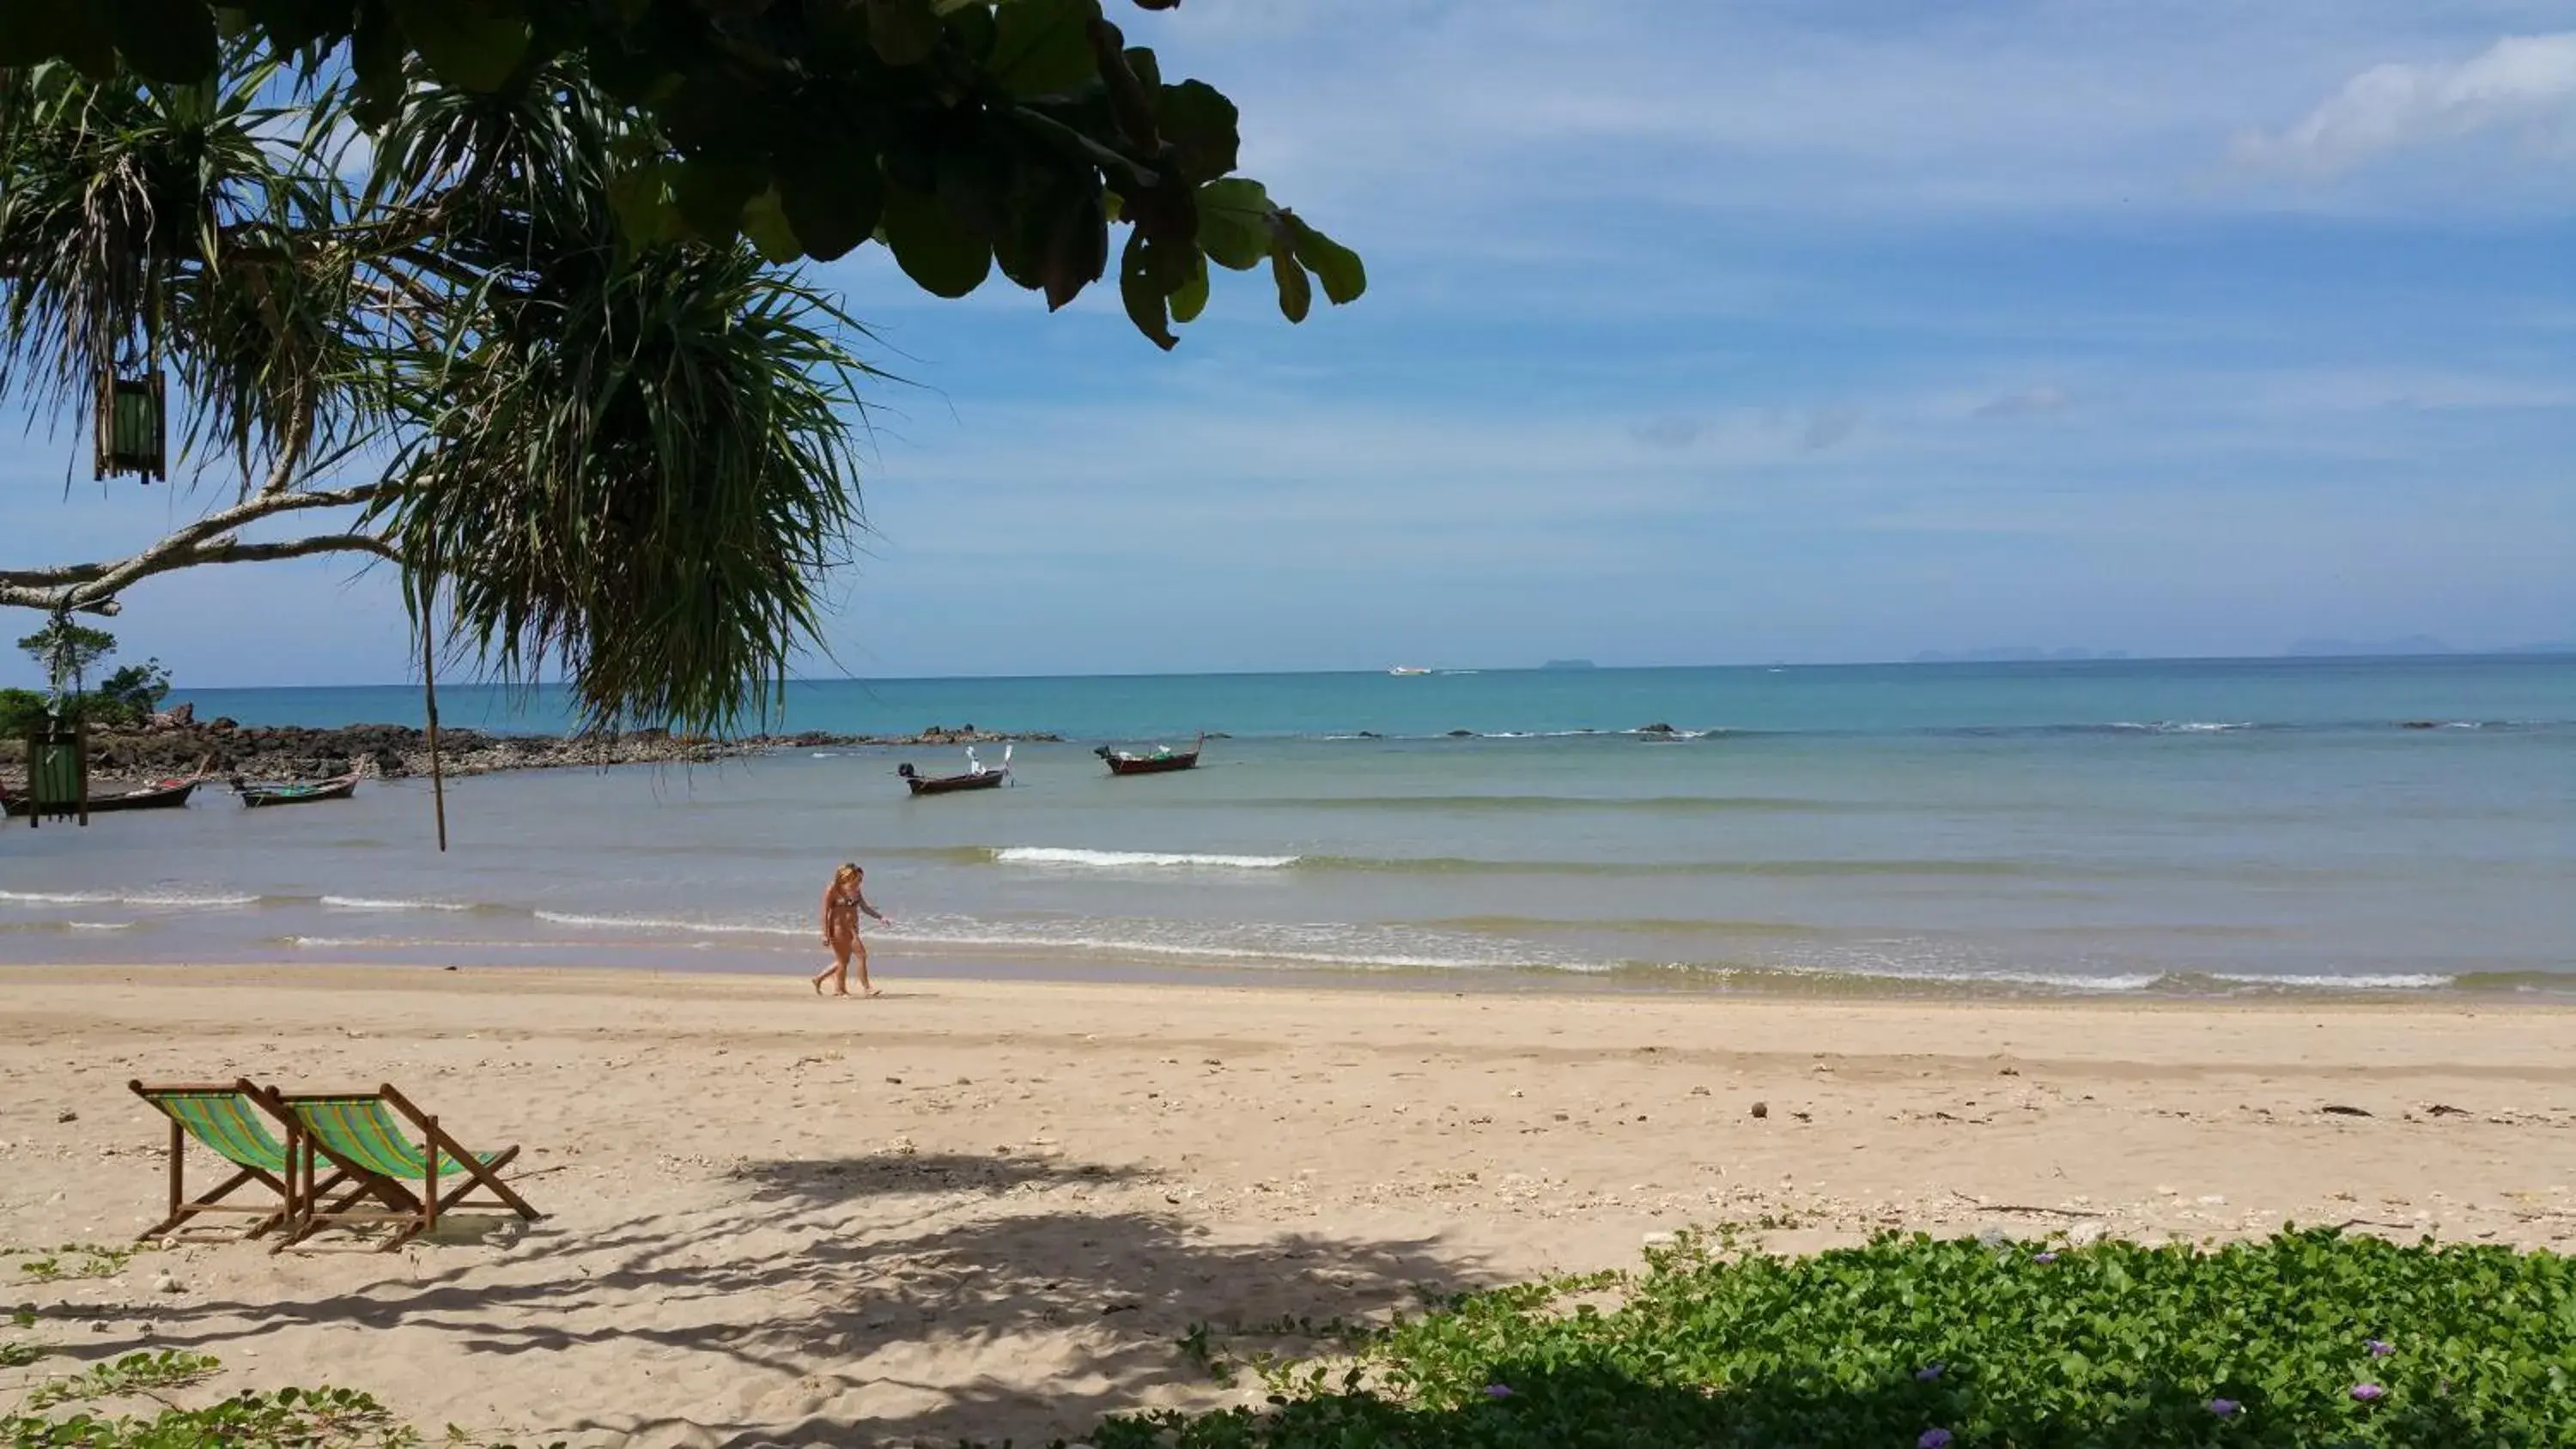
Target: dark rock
[1462, 734]
[1761, 1109]
[1657, 728]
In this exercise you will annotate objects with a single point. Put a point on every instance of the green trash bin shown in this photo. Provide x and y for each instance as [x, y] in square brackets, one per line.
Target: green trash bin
[58, 773]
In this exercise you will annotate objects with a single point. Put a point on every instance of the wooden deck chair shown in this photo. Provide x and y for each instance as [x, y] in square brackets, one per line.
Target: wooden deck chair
[359, 1134]
[231, 1120]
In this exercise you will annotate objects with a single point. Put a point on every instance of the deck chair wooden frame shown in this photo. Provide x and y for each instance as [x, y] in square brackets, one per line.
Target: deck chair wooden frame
[353, 1132]
[239, 1134]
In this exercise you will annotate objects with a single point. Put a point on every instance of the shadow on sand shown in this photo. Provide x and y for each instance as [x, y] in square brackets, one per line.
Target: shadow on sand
[1049, 1306]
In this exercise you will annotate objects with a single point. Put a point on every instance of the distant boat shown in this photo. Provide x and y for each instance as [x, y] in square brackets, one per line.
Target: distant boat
[1407, 671]
[255, 795]
[159, 795]
[1163, 760]
[978, 776]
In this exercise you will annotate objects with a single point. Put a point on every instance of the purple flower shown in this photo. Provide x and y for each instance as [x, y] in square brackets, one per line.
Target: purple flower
[1498, 1391]
[2380, 1348]
[2045, 1258]
[1928, 1372]
[2224, 1408]
[1933, 1439]
[2368, 1393]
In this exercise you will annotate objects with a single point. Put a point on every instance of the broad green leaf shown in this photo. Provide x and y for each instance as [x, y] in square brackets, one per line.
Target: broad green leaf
[934, 248]
[1201, 125]
[1043, 46]
[903, 32]
[1234, 222]
[1192, 298]
[172, 41]
[1142, 294]
[32, 31]
[765, 222]
[474, 44]
[833, 197]
[294, 24]
[641, 199]
[1296, 293]
[712, 191]
[1077, 247]
[1336, 266]
[376, 51]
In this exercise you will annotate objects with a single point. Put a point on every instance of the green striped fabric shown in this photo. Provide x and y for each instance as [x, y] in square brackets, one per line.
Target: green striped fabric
[230, 1124]
[363, 1130]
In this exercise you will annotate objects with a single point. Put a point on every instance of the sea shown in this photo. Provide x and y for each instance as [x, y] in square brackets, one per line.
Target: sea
[2374, 828]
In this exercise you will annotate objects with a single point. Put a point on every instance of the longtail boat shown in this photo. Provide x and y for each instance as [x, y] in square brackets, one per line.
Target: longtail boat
[254, 794]
[158, 795]
[1163, 760]
[978, 776]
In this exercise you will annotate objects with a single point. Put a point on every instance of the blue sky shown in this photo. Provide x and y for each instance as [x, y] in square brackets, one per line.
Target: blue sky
[1706, 332]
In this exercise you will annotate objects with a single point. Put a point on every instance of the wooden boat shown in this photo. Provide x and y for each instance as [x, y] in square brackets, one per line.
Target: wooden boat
[978, 776]
[1162, 761]
[254, 794]
[159, 795]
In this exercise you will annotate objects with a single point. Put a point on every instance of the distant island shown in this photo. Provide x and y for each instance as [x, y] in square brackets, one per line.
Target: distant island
[2018, 654]
[1569, 664]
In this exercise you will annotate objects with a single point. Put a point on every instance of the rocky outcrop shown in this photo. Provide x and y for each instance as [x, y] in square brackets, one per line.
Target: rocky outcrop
[290, 752]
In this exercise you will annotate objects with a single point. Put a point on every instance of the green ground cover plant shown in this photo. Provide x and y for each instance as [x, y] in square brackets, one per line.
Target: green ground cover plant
[2307, 1339]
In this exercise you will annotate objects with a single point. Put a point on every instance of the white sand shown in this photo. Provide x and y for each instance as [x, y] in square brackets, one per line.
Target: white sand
[989, 1209]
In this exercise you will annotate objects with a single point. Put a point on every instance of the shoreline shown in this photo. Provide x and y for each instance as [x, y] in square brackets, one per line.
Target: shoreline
[989, 1210]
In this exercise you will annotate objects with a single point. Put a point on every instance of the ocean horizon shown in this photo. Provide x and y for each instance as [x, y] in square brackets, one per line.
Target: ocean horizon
[2347, 826]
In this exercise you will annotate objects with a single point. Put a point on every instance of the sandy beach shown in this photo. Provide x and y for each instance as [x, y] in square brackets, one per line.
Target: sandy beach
[990, 1210]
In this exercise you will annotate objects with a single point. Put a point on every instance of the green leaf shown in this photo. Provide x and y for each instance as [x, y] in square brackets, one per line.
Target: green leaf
[1201, 125]
[171, 41]
[1296, 293]
[34, 31]
[712, 191]
[1077, 249]
[1043, 46]
[1142, 294]
[933, 247]
[833, 197]
[474, 44]
[1337, 266]
[903, 32]
[1192, 298]
[376, 52]
[1234, 222]
[765, 222]
[641, 198]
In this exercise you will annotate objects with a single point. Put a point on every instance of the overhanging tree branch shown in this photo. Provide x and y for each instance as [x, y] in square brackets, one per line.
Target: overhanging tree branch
[92, 587]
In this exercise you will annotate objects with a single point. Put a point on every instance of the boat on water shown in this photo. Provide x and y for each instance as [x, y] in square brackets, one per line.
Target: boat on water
[1162, 759]
[302, 792]
[977, 776]
[158, 795]
[1409, 671]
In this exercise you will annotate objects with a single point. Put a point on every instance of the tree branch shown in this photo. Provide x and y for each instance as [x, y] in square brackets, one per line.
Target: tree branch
[92, 588]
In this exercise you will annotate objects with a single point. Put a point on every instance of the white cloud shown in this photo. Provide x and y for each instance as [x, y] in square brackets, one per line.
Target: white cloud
[2523, 86]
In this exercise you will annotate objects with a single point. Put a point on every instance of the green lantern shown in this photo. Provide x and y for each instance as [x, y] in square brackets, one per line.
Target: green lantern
[133, 427]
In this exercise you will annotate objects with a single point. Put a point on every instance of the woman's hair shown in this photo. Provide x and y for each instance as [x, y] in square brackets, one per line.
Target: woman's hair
[848, 867]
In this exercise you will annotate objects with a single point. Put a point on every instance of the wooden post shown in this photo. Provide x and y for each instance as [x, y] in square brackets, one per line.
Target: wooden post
[430, 1184]
[178, 1147]
[429, 701]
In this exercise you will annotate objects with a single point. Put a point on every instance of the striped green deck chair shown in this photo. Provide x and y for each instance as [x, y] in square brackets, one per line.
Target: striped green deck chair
[231, 1120]
[362, 1135]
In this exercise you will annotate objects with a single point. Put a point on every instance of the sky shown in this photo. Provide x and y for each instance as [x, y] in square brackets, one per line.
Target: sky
[1701, 332]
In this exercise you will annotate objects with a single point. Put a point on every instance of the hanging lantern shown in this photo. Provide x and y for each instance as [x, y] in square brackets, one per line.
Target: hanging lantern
[133, 431]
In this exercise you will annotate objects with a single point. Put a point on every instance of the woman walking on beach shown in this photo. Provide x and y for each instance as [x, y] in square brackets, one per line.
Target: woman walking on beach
[843, 901]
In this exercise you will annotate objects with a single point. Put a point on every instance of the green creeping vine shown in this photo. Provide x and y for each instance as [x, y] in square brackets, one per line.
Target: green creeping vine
[2304, 1341]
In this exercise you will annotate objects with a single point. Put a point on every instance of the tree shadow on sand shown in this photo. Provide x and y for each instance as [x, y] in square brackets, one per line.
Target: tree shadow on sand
[1053, 1295]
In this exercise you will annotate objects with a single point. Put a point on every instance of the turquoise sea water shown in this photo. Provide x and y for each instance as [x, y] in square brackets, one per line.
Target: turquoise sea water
[2196, 827]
